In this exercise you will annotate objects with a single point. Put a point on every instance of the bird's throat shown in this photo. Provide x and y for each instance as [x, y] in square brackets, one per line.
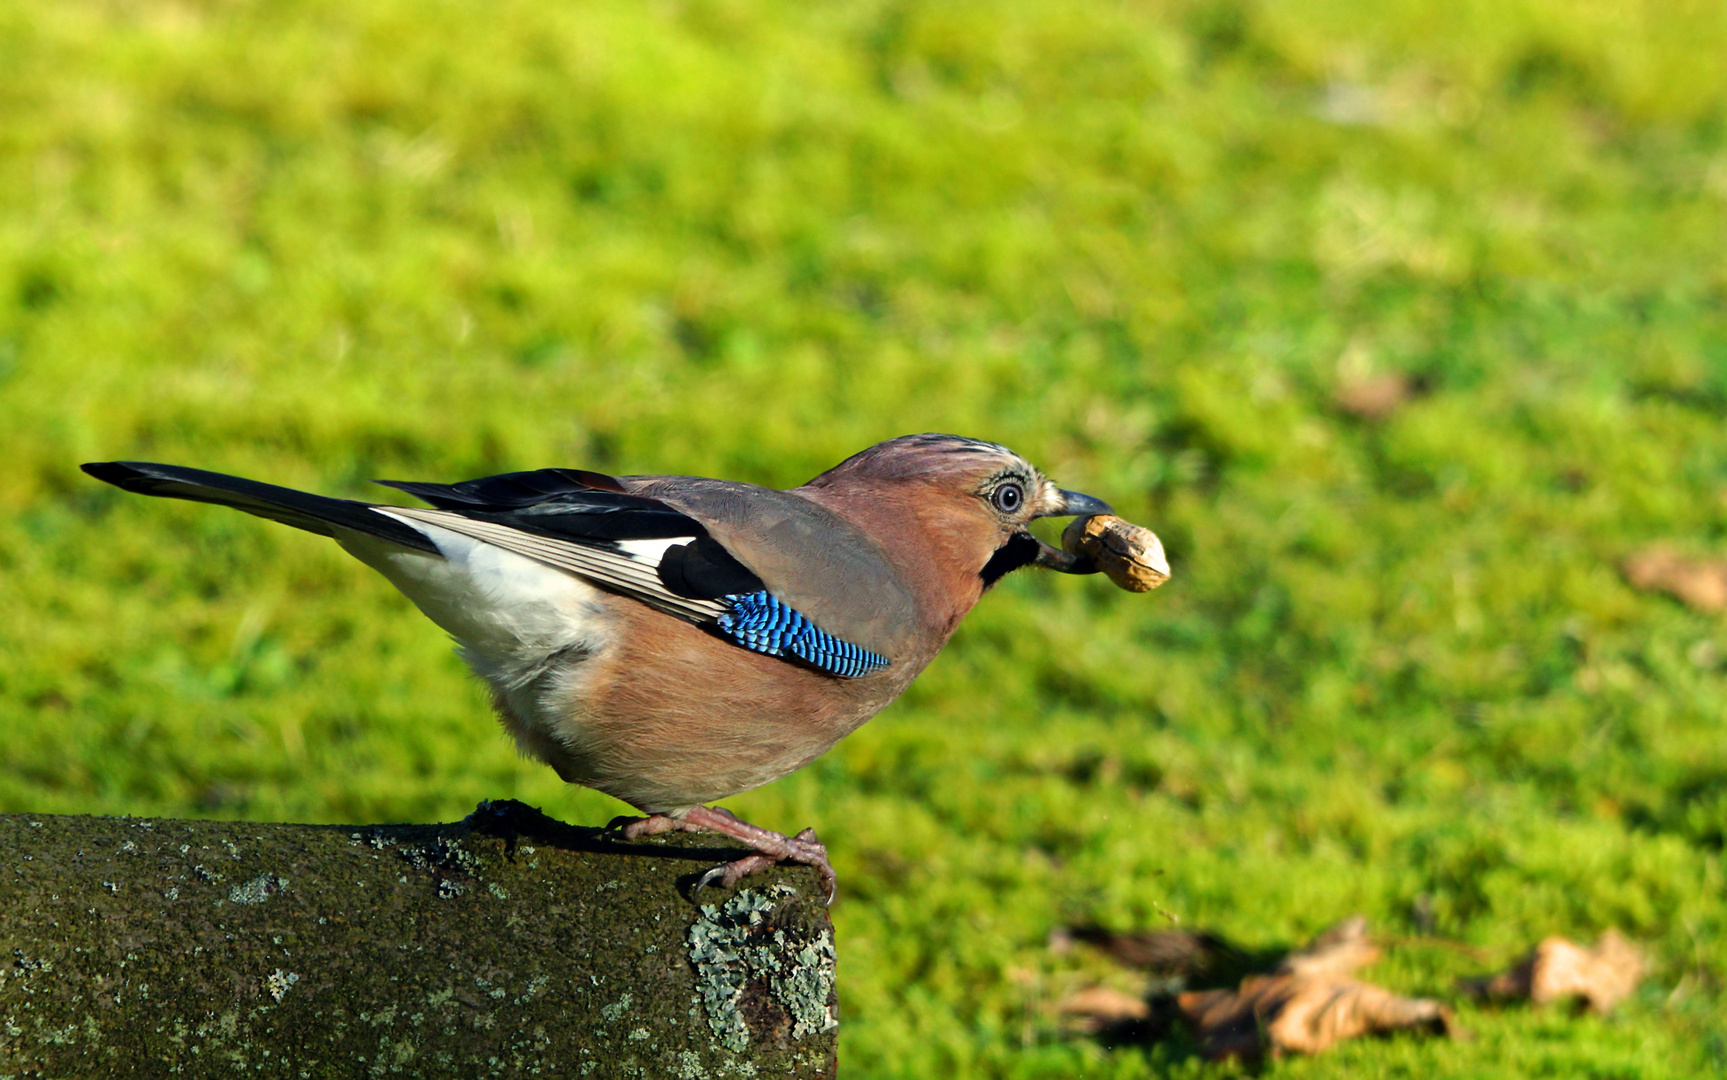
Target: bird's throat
[1020, 550]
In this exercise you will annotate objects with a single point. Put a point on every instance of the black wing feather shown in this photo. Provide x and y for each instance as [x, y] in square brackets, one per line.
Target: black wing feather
[704, 570]
[593, 508]
[566, 503]
[517, 490]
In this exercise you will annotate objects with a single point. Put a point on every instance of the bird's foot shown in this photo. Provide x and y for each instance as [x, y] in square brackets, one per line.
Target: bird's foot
[771, 847]
[802, 848]
[634, 828]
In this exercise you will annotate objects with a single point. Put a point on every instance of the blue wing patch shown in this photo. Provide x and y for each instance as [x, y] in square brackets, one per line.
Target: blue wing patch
[759, 622]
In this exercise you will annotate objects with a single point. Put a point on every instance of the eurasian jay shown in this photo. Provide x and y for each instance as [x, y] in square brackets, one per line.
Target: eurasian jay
[674, 640]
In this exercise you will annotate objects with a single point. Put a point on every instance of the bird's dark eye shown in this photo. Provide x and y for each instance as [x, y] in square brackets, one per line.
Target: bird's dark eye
[1008, 497]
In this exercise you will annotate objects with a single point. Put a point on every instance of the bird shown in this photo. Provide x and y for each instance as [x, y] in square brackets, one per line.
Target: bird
[675, 640]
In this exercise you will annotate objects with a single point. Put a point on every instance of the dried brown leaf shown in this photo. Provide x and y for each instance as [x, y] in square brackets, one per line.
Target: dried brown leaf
[1302, 1014]
[1162, 952]
[1098, 1007]
[1374, 397]
[1559, 970]
[1227, 1021]
[1698, 583]
[1337, 951]
[1309, 1003]
[1320, 1012]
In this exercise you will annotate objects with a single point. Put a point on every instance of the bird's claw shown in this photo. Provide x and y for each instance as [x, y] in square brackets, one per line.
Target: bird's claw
[803, 848]
[729, 874]
[770, 847]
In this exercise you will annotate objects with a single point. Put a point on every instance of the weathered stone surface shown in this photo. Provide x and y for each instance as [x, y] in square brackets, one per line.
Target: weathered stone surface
[504, 945]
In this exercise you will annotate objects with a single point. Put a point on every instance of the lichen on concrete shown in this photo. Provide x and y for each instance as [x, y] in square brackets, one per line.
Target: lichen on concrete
[616, 1009]
[277, 983]
[748, 967]
[806, 985]
[257, 890]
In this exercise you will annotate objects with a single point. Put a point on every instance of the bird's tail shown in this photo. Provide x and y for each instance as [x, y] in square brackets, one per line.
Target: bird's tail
[303, 510]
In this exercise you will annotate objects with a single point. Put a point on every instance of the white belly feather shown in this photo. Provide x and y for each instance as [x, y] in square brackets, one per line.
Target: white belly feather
[523, 626]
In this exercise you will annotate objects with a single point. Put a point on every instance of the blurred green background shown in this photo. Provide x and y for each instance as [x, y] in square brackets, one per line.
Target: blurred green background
[1397, 671]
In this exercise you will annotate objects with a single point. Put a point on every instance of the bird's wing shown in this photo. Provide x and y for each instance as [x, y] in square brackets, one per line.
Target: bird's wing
[676, 551]
[587, 524]
[807, 556]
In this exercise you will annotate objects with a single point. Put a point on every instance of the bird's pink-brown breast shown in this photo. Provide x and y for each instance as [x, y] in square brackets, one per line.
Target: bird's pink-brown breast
[669, 715]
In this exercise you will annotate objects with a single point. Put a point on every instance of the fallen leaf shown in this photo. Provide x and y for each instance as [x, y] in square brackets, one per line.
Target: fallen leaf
[1114, 1017]
[1338, 951]
[1225, 1020]
[1162, 952]
[1699, 583]
[1559, 970]
[1302, 1014]
[1308, 1003]
[1374, 397]
[1104, 1006]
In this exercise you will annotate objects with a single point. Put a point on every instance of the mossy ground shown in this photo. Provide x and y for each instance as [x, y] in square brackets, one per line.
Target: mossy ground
[1396, 671]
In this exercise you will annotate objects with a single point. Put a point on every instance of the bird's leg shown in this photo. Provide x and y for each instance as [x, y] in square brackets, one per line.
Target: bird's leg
[771, 847]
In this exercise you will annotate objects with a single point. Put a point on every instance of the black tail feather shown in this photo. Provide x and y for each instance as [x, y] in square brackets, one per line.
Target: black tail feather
[301, 509]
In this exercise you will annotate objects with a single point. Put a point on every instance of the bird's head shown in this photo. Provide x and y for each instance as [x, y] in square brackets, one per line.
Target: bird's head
[974, 500]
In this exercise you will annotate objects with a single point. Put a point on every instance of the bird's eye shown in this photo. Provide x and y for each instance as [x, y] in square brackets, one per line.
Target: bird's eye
[1008, 497]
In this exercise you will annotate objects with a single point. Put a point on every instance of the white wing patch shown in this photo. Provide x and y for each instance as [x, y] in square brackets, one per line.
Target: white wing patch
[651, 551]
[627, 566]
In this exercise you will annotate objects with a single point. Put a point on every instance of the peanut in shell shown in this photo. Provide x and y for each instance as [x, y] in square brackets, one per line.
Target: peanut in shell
[1131, 555]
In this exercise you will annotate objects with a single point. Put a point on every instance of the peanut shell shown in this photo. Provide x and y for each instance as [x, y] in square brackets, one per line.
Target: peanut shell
[1131, 555]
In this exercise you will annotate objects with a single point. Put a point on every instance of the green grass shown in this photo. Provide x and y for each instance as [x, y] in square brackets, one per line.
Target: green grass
[1397, 668]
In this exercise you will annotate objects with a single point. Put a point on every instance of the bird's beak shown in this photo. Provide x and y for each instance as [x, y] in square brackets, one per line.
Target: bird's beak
[1070, 504]
[1073, 504]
